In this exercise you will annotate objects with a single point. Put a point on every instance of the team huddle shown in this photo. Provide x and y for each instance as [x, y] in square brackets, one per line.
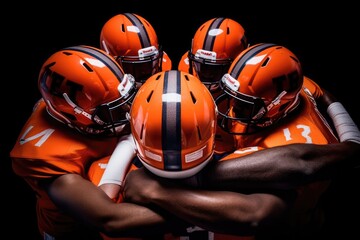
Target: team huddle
[233, 143]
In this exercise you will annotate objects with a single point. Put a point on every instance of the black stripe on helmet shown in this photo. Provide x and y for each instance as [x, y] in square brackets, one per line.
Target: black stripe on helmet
[210, 39]
[171, 122]
[101, 56]
[248, 54]
[143, 34]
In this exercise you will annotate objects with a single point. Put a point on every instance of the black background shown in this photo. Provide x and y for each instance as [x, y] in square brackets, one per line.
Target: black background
[324, 37]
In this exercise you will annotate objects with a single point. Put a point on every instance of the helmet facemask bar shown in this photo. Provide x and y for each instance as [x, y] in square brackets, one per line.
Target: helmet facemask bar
[207, 68]
[109, 118]
[114, 114]
[147, 63]
[241, 108]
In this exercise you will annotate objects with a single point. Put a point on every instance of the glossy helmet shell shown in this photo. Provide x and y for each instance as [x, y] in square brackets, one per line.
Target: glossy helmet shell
[267, 76]
[86, 89]
[173, 121]
[132, 40]
[215, 45]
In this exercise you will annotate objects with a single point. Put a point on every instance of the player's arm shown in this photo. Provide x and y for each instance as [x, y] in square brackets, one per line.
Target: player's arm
[117, 166]
[218, 211]
[87, 203]
[292, 165]
[282, 167]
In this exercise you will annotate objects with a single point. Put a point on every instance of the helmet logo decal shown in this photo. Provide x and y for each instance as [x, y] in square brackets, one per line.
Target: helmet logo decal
[94, 62]
[215, 32]
[134, 29]
[255, 60]
[139, 28]
[249, 54]
[171, 97]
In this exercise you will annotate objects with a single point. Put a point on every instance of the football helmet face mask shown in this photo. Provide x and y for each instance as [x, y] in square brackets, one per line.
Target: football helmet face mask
[133, 42]
[215, 45]
[86, 89]
[261, 87]
[173, 121]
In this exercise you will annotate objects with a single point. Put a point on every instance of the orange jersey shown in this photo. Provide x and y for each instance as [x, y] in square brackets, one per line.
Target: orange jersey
[306, 125]
[313, 87]
[166, 62]
[184, 63]
[47, 148]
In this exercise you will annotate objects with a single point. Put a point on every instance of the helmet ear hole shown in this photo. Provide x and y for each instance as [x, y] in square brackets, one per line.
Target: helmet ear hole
[265, 62]
[141, 131]
[148, 99]
[193, 97]
[199, 133]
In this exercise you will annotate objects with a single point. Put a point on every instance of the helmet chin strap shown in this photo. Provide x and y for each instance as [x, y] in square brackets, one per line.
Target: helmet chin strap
[79, 110]
[105, 47]
[276, 101]
[273, 103]
[58, 116]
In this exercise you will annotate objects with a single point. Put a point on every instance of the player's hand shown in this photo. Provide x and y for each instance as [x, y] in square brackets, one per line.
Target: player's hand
[139, 186]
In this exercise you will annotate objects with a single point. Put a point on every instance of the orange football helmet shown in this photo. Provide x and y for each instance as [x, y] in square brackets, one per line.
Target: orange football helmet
[86, 89]
[215, 45]
[133, 42]
[261, 87]
[173, 121]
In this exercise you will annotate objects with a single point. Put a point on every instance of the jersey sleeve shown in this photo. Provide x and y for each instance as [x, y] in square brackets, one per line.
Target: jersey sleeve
[46, 148]
[184, 63]
[313, 87]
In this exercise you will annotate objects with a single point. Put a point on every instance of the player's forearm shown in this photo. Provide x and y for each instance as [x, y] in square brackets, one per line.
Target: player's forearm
[138, 221]
[218, 211]
[283, 167]
[90, 205]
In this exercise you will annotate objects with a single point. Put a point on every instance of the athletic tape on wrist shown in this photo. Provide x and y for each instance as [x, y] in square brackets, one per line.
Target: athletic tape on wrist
[344, 124]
